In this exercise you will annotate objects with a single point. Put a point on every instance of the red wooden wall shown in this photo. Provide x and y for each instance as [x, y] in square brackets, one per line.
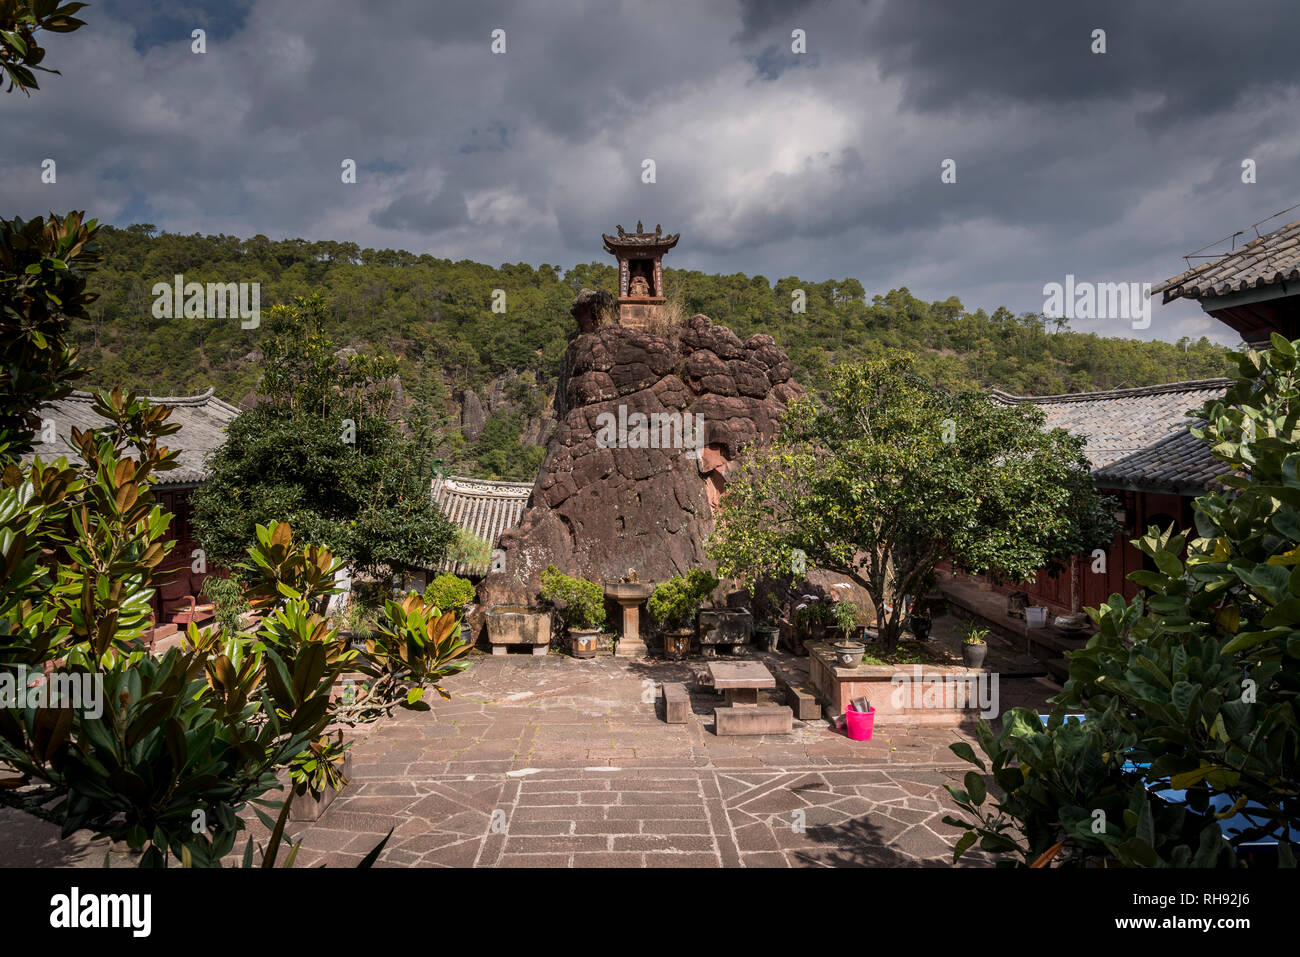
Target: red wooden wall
[1080, 586]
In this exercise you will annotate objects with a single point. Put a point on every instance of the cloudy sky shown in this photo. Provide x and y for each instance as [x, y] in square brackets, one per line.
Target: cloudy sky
[821, 164]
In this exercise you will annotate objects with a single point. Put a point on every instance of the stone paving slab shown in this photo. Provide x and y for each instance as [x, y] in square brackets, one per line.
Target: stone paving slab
[557, 762]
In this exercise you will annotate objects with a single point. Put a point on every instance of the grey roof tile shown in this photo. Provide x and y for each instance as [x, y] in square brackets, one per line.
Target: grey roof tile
[1138, 438]
[483, 508]
[1264, 261]
[203, 419]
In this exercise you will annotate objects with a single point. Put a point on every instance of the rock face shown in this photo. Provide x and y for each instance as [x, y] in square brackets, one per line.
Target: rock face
[472, 417]
[648, 430]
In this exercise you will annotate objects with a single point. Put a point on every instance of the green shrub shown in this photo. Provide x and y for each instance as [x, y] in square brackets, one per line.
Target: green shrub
[227, 595]
[470, 551]
[579, 602]
[675, 602]
[814, 612]
[449, 592]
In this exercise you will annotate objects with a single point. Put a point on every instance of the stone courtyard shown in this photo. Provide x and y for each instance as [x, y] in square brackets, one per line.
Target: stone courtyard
[557, 762]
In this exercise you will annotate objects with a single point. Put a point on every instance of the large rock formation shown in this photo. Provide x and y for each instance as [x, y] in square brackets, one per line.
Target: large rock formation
[616, 492]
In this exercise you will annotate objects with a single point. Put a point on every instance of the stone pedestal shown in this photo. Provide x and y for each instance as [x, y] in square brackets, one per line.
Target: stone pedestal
[630, 644]
[629, 595]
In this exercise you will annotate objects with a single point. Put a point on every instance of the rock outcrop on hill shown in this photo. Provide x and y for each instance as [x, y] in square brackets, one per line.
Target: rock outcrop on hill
[648, 429]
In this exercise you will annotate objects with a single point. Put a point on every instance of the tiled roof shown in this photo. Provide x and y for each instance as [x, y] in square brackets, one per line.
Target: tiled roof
[483, 508]
[640, 239]
[203, 419]
[1267, 260]
[1138, 438]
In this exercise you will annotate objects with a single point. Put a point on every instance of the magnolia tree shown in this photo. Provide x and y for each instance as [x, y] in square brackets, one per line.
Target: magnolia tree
[889, 476]
[1191, 687]
[161, 753]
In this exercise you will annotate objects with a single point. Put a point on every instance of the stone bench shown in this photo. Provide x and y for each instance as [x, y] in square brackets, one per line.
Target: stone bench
[801, 699]
[677, 703]
[753, 719]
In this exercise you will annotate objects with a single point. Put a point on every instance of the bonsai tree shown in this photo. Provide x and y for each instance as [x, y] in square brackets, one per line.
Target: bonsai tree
[673, 603]
[449, 593]
[845, 614]
[890, 475]
[1192, 686]
[579, 603]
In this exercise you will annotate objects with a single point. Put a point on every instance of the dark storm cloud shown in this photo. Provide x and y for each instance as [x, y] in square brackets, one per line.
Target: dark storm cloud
[823, 165]
[424, 213]
[1198, 57]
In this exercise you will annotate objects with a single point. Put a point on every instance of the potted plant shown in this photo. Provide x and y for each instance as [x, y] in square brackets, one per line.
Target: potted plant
[848, 650]
[811, 618]
[452, 593]
[673, 605]
[920, 622]
[580, 605]
[768, 636]
[845, 615]
[974, 644]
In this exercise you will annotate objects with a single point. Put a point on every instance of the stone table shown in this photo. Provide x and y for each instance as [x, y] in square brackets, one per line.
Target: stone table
[741, 680]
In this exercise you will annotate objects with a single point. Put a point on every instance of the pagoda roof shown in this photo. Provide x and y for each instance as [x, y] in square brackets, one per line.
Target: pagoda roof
[640, 241]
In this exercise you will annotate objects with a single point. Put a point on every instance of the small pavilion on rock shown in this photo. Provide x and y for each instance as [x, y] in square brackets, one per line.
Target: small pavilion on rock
[640, 273]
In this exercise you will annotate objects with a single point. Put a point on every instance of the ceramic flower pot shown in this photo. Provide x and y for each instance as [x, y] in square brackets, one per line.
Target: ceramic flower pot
[677, 642]
[583, 642]
[973, 655]
[848, 654]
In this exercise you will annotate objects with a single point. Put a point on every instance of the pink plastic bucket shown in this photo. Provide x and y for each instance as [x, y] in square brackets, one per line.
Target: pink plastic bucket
[857, 724]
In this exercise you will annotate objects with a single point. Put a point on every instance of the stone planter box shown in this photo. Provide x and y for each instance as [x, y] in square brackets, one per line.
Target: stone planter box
[524, 625]
[723, 627]
[909, 695]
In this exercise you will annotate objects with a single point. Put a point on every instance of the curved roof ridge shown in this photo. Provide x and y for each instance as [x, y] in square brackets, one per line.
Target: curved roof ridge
[199, 398]
[1187, 385]
[492, 483]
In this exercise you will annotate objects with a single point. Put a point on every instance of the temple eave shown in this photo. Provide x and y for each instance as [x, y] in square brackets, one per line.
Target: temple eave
[639, 245]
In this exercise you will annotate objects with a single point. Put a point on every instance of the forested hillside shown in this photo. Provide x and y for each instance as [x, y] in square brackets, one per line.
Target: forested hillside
[435, 316]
